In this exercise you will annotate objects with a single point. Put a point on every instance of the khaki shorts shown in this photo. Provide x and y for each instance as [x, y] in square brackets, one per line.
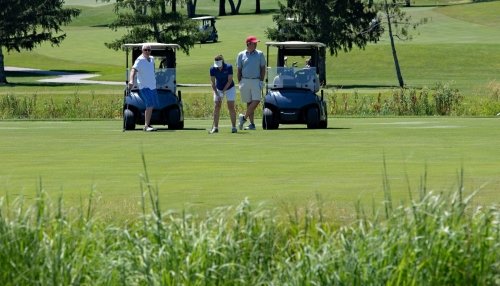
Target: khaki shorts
[249, 90]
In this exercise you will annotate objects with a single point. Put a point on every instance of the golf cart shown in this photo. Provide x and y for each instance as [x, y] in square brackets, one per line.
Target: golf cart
[168, 109]
[291, 93]
[207, 29]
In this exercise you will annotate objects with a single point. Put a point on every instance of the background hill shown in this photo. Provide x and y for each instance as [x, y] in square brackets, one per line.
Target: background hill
[460, 44]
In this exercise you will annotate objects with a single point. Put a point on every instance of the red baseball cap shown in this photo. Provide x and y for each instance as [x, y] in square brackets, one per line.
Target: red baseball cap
[252, 39]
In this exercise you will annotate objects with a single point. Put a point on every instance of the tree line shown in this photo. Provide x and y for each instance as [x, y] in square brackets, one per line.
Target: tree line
[340, 24]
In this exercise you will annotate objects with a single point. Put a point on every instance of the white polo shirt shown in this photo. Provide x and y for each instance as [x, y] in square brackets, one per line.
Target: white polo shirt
[145, 72]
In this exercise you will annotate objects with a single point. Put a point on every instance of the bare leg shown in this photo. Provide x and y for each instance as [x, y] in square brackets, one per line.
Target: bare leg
[232, 112]
[251, 106]
[217, 113]
[147, 116]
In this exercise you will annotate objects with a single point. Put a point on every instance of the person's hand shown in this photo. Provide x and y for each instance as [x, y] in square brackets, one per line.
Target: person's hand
[261, 84]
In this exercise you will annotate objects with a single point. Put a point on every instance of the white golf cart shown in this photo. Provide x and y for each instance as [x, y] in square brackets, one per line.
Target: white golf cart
[207, 29]
[168, 109]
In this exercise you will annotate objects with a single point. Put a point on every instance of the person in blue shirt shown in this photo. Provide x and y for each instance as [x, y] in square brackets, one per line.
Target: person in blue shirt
[221, 77]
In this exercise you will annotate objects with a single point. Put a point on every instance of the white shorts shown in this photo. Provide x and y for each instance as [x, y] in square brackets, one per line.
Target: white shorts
[250, 90]
[230, 95]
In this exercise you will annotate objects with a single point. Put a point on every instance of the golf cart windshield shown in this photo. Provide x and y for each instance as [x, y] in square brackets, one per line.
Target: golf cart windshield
[293, 77]
[165, 79]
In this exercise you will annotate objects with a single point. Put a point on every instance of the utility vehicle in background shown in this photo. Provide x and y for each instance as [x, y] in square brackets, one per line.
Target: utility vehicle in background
[207, 29]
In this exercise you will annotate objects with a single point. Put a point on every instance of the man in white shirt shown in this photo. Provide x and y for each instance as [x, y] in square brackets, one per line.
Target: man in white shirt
[144, 69]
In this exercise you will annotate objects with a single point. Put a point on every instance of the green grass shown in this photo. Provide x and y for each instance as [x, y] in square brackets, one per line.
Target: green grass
[289, 166]
[451, 47]
[446, 49]
[485, 13]
[437, 239]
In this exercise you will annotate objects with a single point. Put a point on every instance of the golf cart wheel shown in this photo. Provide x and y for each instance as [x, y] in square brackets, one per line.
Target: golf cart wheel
[128, 119]
[323, 124]
[174, 120]
[268, 120]
[312, 118]
[216, 38]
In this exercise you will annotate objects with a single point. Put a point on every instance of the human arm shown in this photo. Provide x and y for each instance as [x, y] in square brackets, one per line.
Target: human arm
[229, 82]
[239, 67]
[212, 80]
[262, 73]
[239, 74]
[133, 71]
[262, 66]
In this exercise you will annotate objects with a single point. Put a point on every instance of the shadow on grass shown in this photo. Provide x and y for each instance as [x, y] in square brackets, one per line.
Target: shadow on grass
[356, 86]
[262, 12]
[42, 84]
[307, 129]
[252, 12]
[165, 129]
[45, 73]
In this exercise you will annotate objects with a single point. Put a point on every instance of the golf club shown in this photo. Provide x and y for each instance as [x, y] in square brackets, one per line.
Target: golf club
[263, 103]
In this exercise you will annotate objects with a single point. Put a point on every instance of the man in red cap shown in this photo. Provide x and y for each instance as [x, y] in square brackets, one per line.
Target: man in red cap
[251, 65]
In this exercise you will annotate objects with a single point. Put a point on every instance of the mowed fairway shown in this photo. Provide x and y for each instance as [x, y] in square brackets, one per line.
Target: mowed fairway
[459, 44]
[287, 167]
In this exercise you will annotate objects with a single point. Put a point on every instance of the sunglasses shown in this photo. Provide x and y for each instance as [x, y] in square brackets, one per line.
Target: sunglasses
[147, 50]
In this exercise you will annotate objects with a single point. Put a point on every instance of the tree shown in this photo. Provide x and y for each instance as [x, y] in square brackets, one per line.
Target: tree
[339, 24]
[257, 7]
[398, 25]
[150, 21]
[174, 6]
[26, 24]
[222, 7]
[191, 8]
[399, 75]
[235, 9]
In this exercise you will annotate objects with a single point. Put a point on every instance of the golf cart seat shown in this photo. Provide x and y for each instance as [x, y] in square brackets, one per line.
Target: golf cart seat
[165, 79]
[307, 78]
[285, 78]
[283, 81]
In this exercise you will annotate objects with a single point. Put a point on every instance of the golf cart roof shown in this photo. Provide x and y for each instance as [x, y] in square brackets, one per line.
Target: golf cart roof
[154, 46]
[296, 44]
[204, 18]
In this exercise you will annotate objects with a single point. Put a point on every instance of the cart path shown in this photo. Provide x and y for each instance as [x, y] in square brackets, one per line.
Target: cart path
[67, 77]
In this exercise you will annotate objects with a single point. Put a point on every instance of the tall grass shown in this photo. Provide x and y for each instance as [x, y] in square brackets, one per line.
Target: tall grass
[442, 99]
[435, 239]
[39, 107]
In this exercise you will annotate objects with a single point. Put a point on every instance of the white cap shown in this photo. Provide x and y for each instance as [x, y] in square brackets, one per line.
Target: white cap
[218, 64]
